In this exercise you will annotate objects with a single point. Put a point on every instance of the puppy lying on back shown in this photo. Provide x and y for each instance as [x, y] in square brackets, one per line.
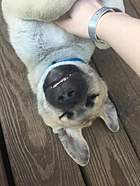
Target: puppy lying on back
[70, 94]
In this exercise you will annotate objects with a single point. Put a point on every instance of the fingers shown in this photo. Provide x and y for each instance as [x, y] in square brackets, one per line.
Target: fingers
[79, 17]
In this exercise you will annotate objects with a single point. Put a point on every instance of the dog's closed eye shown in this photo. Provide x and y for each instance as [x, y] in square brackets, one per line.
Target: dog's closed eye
[69, 115]
[90, 100]
[89, 103]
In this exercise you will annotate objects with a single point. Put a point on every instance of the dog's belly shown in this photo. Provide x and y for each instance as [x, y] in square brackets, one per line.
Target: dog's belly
[35, 41]
[37, 9]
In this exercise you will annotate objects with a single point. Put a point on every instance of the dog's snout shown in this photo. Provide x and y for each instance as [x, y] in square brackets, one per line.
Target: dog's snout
[69, 95]
[65, 87]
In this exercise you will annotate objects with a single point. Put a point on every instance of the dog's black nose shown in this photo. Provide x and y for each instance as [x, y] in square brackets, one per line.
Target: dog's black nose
[65, 87]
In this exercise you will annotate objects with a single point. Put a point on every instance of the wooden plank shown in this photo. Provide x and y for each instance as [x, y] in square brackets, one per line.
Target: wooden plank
[3, 177]
[113, 161]
[124, 88]
[136, 5]
[130, 8]
[36, 156]
[6, 173]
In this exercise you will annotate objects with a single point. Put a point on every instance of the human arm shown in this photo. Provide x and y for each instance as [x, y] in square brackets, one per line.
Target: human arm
[122, 32]
[119, 30]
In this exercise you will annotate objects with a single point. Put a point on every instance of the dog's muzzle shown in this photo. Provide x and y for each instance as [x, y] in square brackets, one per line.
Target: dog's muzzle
[65, 87]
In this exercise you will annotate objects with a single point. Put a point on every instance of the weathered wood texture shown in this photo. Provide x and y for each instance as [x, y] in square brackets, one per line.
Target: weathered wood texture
[36, 156]
[136, 5]
[3, 178]
[124, 86]
[113, 161]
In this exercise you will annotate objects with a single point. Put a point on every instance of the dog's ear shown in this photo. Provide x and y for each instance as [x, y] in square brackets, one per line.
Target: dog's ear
[74, 144]
[109, 115]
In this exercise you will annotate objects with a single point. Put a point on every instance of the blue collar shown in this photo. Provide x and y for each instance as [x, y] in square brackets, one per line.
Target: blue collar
[68, 60]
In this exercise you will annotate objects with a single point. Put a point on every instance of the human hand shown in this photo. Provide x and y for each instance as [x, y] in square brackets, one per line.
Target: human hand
[80, 15]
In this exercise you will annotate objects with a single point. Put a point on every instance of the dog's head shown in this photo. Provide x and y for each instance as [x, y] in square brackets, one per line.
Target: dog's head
[70, 96]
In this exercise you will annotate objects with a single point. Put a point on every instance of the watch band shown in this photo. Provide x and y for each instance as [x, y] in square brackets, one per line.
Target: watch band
[93, 25]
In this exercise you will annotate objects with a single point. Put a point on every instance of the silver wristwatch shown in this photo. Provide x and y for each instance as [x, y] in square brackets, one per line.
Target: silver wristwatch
[94, 22]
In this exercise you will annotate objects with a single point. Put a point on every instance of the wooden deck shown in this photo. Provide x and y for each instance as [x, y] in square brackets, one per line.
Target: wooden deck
[30, 155]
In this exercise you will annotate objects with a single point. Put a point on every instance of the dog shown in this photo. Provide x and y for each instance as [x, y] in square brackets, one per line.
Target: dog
[70, 94]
